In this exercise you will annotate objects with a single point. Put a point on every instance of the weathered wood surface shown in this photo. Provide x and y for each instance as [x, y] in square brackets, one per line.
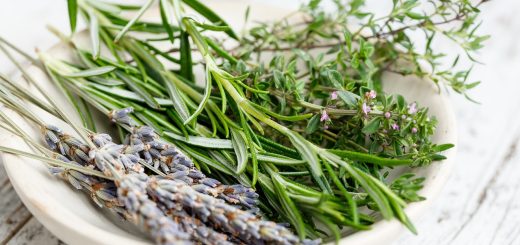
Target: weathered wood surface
[479, 205]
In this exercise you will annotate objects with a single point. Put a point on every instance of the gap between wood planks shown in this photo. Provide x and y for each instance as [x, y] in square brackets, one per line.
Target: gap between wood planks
[484, 193]
[14, 216]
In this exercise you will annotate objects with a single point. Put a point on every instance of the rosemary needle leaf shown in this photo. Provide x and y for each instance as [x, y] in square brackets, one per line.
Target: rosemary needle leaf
[122, 93]
[94, 35]
[209, 14]
[207, 94]
[186, 63]
[72, 6]
[288, 205]
[202, 141]
[91, 72]
[364, 157]
[309, 154]
[220, 51]
[110, 8]
[134, 86]
[279, 160]
[167, 17]
[238, 140]
[134, 20]
[178, 102]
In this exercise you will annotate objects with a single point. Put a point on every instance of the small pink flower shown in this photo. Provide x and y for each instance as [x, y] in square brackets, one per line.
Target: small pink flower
[414, 130]
[371, 95]
[388, 114]
[366, 109]
[334, 95]
[324, 116]
[395, 126]
[412, 108]
[326, 127]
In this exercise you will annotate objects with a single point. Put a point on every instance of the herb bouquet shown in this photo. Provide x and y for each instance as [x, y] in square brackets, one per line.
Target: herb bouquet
[221, 138]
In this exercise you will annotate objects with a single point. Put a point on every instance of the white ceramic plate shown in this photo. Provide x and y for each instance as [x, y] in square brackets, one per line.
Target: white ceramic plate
[72, 217]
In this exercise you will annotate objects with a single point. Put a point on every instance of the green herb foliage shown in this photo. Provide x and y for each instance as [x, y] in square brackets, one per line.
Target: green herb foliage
[295, 109]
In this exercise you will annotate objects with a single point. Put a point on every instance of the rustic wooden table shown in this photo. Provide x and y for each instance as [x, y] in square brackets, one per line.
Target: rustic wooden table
[480, 203]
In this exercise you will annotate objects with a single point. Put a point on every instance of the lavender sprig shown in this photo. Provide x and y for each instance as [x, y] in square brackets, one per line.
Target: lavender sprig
[177, 165]
[230, 219]
[132, 192]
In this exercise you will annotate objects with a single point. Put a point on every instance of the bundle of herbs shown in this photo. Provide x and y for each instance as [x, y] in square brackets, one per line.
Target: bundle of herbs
[288, 120]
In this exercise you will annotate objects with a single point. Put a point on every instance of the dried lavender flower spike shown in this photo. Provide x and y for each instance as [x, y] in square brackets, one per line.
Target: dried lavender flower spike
[221, 215]
[141, 210]
[199, 231]
[179, 166]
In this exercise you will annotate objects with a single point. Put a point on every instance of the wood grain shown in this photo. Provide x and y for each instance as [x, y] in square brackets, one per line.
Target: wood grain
[13, 214]
[480, 204]
[34, 233]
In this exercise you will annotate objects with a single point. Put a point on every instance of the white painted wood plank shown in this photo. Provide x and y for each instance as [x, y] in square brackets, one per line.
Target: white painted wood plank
[34, 234]
[13, 215]
[480, 204]
[17, 226]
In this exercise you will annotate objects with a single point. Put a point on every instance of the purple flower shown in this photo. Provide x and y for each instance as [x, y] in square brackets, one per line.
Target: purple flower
[334, 95]
[395, 126]
[366, 109]
[414, 130]
[371, 95]
[412, 108]
[388, 114]
[324, 116]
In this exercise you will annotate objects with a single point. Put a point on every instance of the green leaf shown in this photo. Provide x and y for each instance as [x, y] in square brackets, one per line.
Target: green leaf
[220, 51]
[175, 96]
[209, 14]
[134, 86]
[72, 6]
[110, 8]
[211, 27]
[134, 20]
[212, 143]
[186, 63]
[313, 124]
[294, 118]
[238, 140]
[94, 35]
[307, 152]
[106, 81]
[167, 17]
[91, 72]
[288, 205]
[364, 157]
[443, 147]
[348, 97]
[203, 157]
[372, 126]
[401, 103]
[123, 93]
[415, 16]
[207, 94]
[313, 4]
[279, 159]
